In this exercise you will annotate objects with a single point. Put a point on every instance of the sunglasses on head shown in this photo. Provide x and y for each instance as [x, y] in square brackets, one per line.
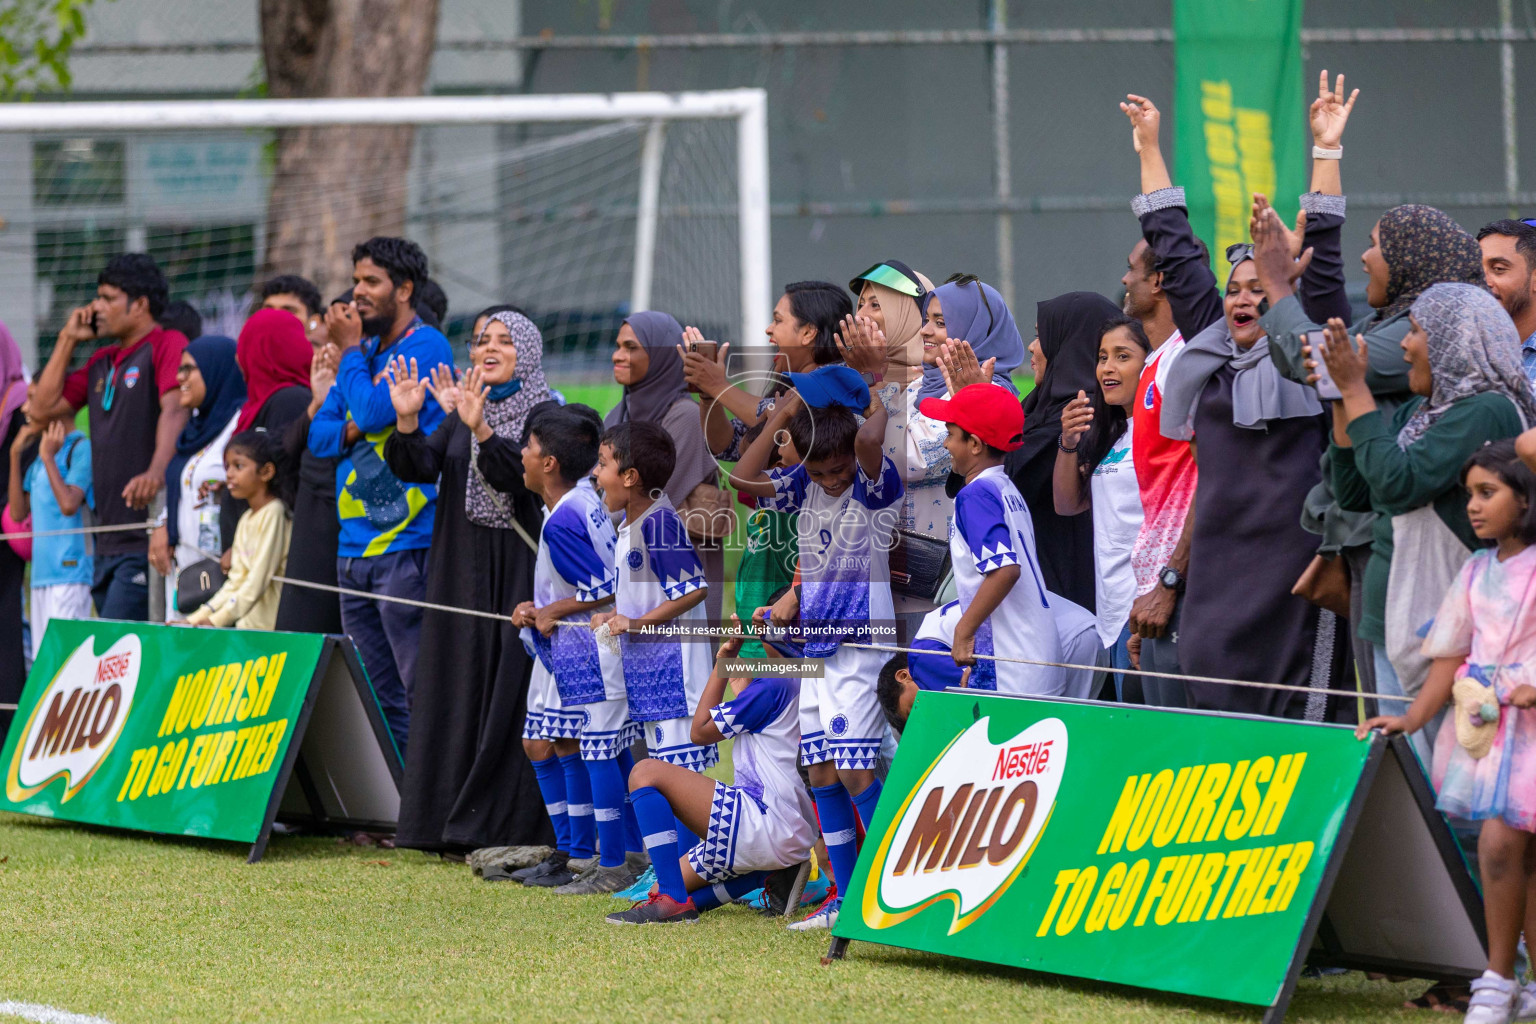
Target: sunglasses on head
[1239, 251]
[965, 279]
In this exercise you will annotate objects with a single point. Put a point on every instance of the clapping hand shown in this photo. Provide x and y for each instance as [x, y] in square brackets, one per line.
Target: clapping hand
[1273, 253]
[407, 390]
[863, 345]
[1076, 418]
[444, 387]
[1145, 121]
[1293, 237]
[472, 395]
[957, 361]
[322, 370]
[1329, 113]
[1346, 363]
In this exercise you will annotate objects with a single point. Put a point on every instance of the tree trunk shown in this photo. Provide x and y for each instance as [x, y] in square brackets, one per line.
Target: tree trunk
[334, 187]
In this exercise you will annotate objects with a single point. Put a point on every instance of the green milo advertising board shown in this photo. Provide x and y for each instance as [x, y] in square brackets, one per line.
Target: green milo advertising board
[158, 728]
[1174, 851]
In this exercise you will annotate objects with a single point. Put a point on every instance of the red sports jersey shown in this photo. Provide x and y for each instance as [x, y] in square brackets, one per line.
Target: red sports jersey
[1165, 471]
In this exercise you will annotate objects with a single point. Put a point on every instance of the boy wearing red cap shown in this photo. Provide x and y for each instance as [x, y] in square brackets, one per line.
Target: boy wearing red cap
[1005, 612]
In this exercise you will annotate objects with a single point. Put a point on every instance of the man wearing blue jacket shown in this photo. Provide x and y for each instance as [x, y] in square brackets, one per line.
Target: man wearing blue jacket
[386, 525]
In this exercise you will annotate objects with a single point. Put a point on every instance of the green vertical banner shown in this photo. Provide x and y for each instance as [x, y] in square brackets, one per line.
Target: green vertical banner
[1239, 113]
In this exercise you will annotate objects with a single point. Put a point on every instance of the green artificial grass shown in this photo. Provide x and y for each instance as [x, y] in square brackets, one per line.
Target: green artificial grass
[137, 928]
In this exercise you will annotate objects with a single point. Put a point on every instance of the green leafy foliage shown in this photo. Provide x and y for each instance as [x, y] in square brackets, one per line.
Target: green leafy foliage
[36, 37]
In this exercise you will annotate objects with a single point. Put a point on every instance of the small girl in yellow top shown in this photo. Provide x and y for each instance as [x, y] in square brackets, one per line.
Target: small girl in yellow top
[248, 599]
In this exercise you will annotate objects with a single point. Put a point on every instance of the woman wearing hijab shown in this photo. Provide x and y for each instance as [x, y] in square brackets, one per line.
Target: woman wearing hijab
[13, 394]
[316, 530]
[648, 363]
[894, 298]
[1067, 330]
[274, 355]
[1260, 439]
[210, 385]
[467, 782]
[1464, 368]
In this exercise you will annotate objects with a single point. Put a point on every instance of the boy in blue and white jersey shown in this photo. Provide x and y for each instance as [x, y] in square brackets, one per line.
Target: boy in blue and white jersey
[845, 490]
[661, 586]
[1005, 612]
[757, 833]
[573, 576]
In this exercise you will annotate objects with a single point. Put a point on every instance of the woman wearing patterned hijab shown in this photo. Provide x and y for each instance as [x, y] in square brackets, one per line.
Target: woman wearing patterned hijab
[468, 783]
[1463, 358]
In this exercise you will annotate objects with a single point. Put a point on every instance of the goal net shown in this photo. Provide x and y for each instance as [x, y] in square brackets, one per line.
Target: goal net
[578, 209]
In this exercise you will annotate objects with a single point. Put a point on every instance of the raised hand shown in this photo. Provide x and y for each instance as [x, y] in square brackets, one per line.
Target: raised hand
[322, 370]
[443, 387]
[1293, 237]
[407, 391]
[1076, 418]
[1145, 121]
[1278, 270]
[472, 395]
[957, 361]
[343, 326]
[1329, 113]
[863, 345]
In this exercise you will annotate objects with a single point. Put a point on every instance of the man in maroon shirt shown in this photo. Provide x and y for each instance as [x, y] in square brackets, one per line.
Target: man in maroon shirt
[130, 388]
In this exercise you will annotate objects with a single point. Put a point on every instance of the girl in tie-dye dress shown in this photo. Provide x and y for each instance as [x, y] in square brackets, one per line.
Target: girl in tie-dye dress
[1486, 629]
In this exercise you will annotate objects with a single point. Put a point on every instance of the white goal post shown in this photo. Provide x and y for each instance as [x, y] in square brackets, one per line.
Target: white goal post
[747, 108]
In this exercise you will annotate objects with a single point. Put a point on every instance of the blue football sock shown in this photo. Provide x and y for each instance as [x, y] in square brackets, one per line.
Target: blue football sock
[633, 843]
[660, 830]
[552, 786]
[608, 809]
[686, 840]
[865, 802]
[838, 830]
[721, 893]
[578, 806]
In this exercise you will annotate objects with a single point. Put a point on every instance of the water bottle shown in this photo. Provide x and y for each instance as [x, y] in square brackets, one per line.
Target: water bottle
[208, 538]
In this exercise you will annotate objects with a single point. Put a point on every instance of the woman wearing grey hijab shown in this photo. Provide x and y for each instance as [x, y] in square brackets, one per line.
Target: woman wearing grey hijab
[646, 361]
[1259, 439]
[1464, 369]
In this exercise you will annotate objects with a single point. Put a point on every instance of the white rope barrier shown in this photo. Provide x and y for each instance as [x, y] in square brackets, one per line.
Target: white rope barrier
[721, 634]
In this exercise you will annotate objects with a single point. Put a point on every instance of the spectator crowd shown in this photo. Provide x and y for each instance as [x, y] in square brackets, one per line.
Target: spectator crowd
[1213, 479]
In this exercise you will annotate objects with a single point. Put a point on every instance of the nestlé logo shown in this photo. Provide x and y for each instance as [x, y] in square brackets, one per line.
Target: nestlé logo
[968, 827]
[76, 720]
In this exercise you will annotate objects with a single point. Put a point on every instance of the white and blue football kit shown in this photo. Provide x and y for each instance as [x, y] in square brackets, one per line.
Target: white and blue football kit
[575, 561]
[1076, 629]
[991, 530]
[845, 544]
[763, 822]
[664, 675]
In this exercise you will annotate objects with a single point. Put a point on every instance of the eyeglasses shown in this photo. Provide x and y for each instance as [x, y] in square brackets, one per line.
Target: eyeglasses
[1239, 251]
[887, 276]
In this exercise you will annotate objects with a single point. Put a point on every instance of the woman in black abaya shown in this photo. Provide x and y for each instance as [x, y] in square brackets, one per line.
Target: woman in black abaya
[468, 783]
[1067, 332]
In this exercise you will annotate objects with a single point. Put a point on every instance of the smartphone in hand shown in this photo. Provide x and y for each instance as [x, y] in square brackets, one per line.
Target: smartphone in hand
[1326, 388]
[709, 350]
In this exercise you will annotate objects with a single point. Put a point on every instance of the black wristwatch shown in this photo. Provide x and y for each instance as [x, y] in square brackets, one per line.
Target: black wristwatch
[1171, 578]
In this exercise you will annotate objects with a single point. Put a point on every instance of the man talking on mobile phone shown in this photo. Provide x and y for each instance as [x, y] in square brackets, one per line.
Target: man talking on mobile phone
[129, 386]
